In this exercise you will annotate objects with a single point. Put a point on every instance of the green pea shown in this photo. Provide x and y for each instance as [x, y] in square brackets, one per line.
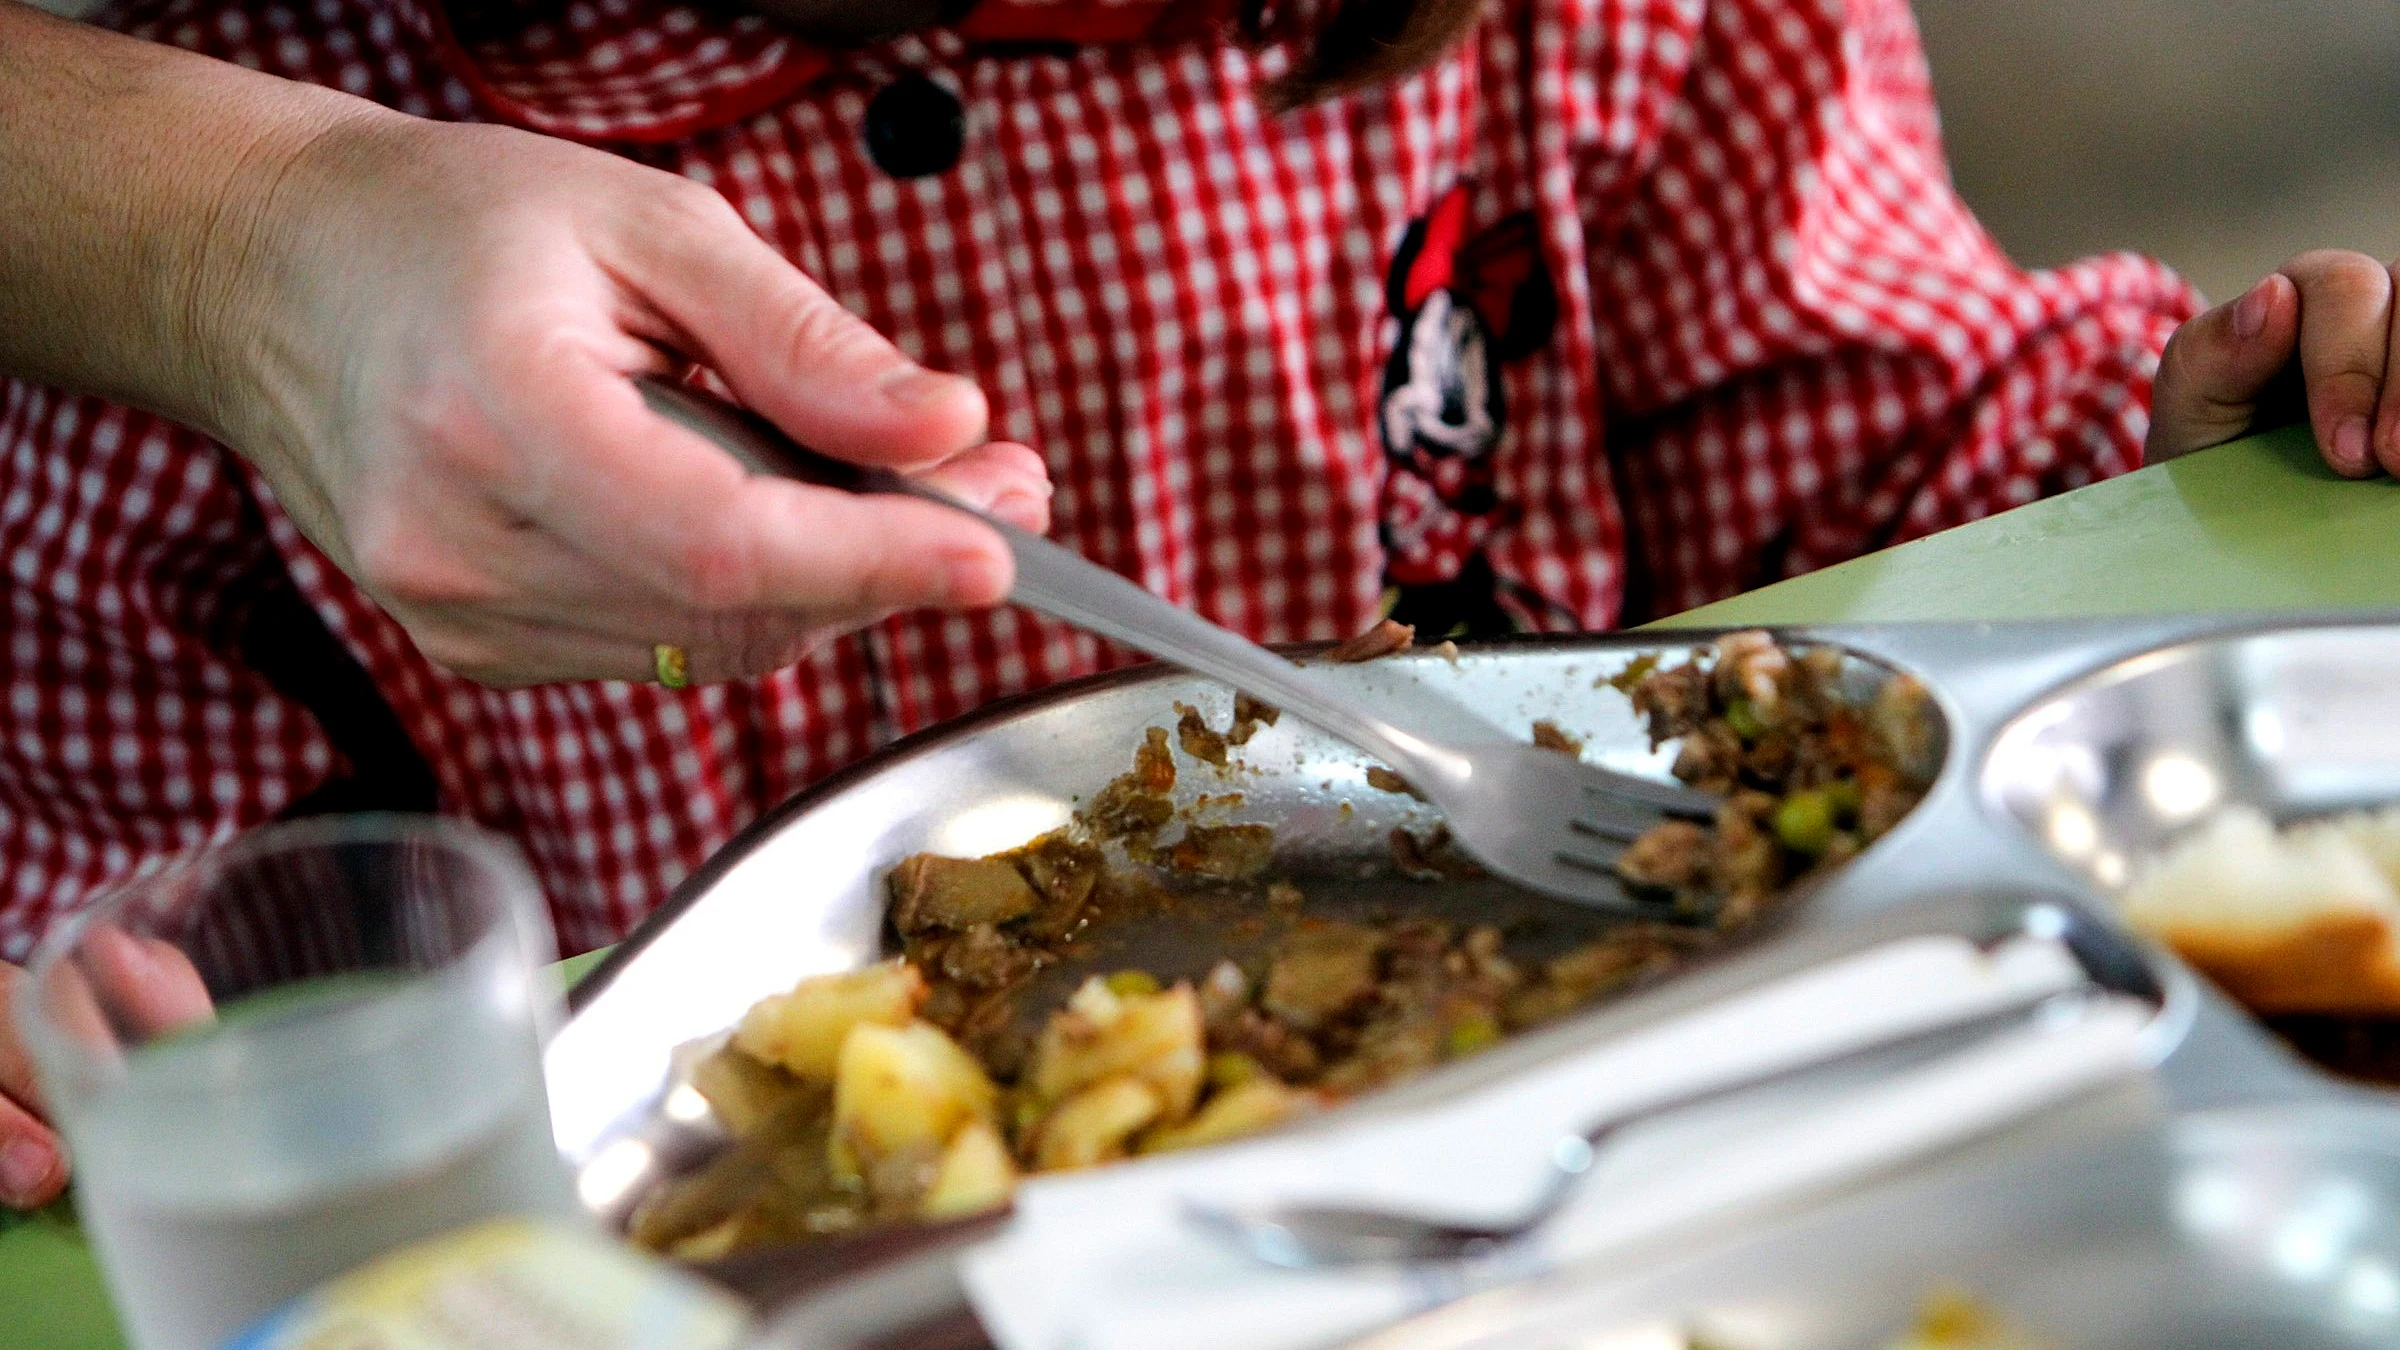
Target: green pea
[1743, 719]
[1470, 1034]
[1804, 821]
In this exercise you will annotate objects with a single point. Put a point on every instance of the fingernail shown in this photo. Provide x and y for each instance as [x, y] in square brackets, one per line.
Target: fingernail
[1018, 506]
[2350, 443]
[916, 388]
[2250, 312]
[25, 1168]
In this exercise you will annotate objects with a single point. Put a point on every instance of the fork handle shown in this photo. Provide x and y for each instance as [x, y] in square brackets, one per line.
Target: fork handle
[1065, 585]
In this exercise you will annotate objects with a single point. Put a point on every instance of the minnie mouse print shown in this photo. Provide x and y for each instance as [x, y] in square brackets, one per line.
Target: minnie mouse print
[1465, 305]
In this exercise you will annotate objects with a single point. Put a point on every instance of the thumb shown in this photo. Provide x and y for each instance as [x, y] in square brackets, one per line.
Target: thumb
[790, 351]
[2218, 369]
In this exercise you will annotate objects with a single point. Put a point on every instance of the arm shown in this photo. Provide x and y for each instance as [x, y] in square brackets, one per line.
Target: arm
[1812, 348]
[419, 333]
[119, 160]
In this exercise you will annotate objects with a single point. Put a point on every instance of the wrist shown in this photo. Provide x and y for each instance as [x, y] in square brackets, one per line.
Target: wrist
[126, 170]
[239, 308]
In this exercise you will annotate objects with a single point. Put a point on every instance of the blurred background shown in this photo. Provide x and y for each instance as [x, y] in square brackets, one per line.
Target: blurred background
[2221, 136]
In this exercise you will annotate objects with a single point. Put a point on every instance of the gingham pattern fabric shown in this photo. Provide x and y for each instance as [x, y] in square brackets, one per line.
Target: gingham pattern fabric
[1781, 341]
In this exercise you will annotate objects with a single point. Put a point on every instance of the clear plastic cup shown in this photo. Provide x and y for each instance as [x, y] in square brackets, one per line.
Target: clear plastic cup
[285, 1057]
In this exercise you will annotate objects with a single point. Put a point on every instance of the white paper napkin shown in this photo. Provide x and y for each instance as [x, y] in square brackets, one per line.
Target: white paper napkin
[1108, 1260]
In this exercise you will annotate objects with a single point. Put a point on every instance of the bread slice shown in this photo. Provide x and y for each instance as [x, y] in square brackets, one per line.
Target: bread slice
[2302, 921]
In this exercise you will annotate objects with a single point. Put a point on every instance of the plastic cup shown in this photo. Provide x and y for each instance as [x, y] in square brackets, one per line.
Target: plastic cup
[282, 1058]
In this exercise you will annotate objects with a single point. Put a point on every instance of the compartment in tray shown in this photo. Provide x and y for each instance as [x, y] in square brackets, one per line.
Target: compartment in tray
[2115, 771]
[2108, 771]
[803, 891]
[2272, 1227]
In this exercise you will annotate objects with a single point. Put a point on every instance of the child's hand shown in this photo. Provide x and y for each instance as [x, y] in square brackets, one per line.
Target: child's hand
[146, 986]
[33, 1166]
[2322, 323]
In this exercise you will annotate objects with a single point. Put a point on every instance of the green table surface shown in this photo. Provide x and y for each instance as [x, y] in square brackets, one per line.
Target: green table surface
[2259, 525]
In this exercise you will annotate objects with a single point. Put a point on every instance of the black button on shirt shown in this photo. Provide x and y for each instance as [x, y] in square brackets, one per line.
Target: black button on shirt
[915, 128]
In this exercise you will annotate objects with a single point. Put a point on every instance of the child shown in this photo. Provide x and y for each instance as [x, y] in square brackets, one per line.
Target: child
[1542, 314]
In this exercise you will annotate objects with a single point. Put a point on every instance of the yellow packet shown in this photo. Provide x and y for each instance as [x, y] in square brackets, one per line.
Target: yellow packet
[511, 1282]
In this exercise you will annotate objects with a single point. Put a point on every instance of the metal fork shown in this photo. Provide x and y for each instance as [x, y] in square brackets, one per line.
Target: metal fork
[1536, 817]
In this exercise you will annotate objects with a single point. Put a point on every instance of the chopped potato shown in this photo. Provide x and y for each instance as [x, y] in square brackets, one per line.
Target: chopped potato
[1094, 1125]
[903, 1091]
[1256, 1104]
[718, 1239]
[804, 1029]
[1102, 1033]
[975, 1174]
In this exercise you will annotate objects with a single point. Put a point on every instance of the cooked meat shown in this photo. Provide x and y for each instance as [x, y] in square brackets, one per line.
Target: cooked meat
[1547, 735]
[1884, 797]
[1197, 738]
[952, 893]
[1672, 857]
[1248, 716]
[1134, 807]
[1278, 1047]
[1386, 1051]
[1808, 782]
[983, 957]
[1228, 852]
[1752, 669]
[1385, 638]
[1065, 872]
[1154, 764]
[1123, 810]
[1433, 856]
[1902, 719]
[1324, 971]
[1675, 700]
[1711, 759]
[1627, 955]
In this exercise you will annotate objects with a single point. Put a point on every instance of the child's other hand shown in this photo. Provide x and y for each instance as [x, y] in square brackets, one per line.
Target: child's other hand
[2322, 323]
[33, 1165]
[147, 987]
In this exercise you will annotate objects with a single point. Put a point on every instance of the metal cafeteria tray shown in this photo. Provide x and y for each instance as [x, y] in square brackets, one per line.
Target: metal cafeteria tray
[2267, 1227]
[2068, 752]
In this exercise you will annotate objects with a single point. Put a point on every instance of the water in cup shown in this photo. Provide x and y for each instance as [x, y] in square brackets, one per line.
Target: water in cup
[364, 1070]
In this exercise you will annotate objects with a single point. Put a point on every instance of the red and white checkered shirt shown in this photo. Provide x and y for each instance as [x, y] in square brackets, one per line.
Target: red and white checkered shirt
[1623, 306]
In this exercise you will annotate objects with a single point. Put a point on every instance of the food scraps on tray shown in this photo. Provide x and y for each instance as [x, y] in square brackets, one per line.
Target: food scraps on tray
[921, 1088]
